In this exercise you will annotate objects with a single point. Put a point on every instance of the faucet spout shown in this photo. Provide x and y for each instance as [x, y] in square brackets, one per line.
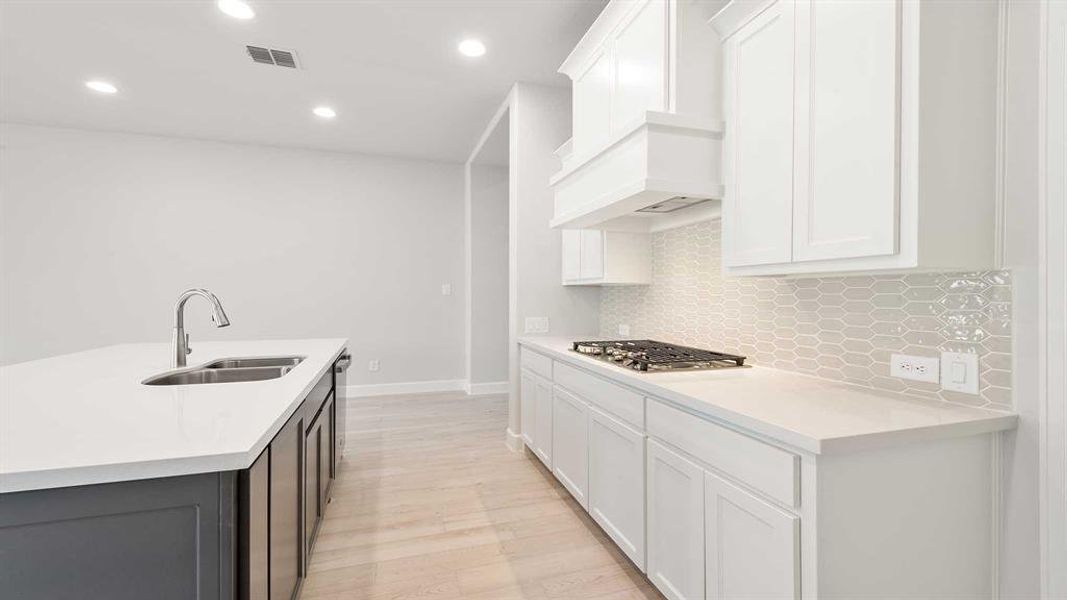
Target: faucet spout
[180, 338]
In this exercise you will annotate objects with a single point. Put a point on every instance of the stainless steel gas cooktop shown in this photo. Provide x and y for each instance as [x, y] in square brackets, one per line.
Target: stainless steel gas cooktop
[650, 355]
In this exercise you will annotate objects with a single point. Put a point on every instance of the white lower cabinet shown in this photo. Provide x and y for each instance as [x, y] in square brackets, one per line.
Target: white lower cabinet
[543, 420]
[675, 512]
[617, 482]
[751, 548]
[709, 510]
[570, 444]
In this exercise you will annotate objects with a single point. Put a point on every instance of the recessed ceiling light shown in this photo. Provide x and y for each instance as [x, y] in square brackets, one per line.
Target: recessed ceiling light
[236, 9]
[325, 112]
[472, 48]
[101, 86]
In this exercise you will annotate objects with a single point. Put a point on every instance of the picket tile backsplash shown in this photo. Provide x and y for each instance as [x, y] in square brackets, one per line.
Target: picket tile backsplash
[842, 328]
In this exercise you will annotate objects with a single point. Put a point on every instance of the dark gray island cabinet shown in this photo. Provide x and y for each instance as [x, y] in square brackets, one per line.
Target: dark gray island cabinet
[235, 534]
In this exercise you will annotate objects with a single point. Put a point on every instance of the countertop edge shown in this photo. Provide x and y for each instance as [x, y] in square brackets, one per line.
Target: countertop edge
[775, 433]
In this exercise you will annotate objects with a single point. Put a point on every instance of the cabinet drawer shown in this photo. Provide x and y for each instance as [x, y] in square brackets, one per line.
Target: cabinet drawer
[537, 363]
[766, 468]
[627, 405]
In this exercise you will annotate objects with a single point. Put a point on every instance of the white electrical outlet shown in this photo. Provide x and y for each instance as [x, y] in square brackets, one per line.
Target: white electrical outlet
[959, 372]
[446, 289]
[373, 365]
[624, 329]
[918, 368]
[536, 325]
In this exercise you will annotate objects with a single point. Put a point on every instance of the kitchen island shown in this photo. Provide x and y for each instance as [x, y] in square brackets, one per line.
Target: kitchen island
[130, 490]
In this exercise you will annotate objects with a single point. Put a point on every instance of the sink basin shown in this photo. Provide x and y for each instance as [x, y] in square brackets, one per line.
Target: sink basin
[218, 375]
[267, 361]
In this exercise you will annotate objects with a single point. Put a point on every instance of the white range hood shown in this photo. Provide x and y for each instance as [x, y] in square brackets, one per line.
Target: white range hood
[661, 172]
[647, 143]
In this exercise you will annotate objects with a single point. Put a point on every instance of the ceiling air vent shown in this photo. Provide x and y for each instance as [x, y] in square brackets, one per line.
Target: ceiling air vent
[273, 56]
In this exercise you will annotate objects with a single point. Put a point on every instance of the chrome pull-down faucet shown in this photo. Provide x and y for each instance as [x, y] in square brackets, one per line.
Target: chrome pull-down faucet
[181, 339]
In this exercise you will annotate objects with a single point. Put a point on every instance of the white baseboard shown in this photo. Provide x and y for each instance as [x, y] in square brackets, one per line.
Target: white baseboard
[483, 389]
[411, 387]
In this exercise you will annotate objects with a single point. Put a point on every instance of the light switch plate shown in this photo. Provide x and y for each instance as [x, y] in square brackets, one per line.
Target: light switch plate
[624, 329]
[917, 368]
[959, 372]
[536, 325]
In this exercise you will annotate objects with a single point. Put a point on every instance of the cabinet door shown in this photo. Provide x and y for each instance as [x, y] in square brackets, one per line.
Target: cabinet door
[848, 99]
[543, 414]
[254, 552]
[675, 497]
[758, 157]
[592, 106]
[640, 65]
[617, 482]
[528, 405]
[326, 465]
[313, 482]
[752, 548]
[592, 254]
[286, 517]
[570, 444]
[571, 251]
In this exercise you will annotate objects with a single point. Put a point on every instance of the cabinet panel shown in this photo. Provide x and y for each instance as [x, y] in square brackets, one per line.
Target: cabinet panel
[571, 250]
[570, 444]
[592, 105]
[847, 126]
[675, 502]
[286, 518]
[752, 548]
[758, 64]
[640, 65]
[543, 415]
[528, 404]
[253, 550]
[617, 483]
[592, 254]
[313, 482]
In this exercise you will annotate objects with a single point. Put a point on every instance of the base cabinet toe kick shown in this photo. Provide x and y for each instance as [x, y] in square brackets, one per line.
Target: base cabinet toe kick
[226, 535]
[708, 509]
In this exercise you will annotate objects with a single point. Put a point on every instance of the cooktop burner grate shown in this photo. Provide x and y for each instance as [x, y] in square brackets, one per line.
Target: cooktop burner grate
[646, 355]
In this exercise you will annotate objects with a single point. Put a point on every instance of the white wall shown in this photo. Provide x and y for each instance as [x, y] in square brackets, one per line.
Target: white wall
[100, 232]
[539, 122]
[1019, 550]
[489, 274]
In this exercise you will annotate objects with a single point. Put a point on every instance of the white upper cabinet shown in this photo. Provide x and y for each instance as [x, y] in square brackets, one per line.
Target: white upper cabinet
[647, 123]
[847, 129]
[591, 95]
[850, 146]
[640, 65]
[595, 257]
[759, 198]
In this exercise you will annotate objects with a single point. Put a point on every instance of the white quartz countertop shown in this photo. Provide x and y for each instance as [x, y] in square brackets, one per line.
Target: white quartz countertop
[809, 413]
[86, 418]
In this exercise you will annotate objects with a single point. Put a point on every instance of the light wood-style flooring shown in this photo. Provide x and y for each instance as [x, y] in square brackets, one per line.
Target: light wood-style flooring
[430, 504]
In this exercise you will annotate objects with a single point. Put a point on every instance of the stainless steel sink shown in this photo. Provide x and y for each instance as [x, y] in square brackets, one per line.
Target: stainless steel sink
[229, 370]
[267, 361]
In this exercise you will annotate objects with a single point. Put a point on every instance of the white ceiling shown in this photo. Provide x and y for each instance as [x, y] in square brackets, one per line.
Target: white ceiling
[389, 68]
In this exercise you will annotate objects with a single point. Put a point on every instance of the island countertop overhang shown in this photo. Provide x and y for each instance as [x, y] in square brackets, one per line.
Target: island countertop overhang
[87, 418]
